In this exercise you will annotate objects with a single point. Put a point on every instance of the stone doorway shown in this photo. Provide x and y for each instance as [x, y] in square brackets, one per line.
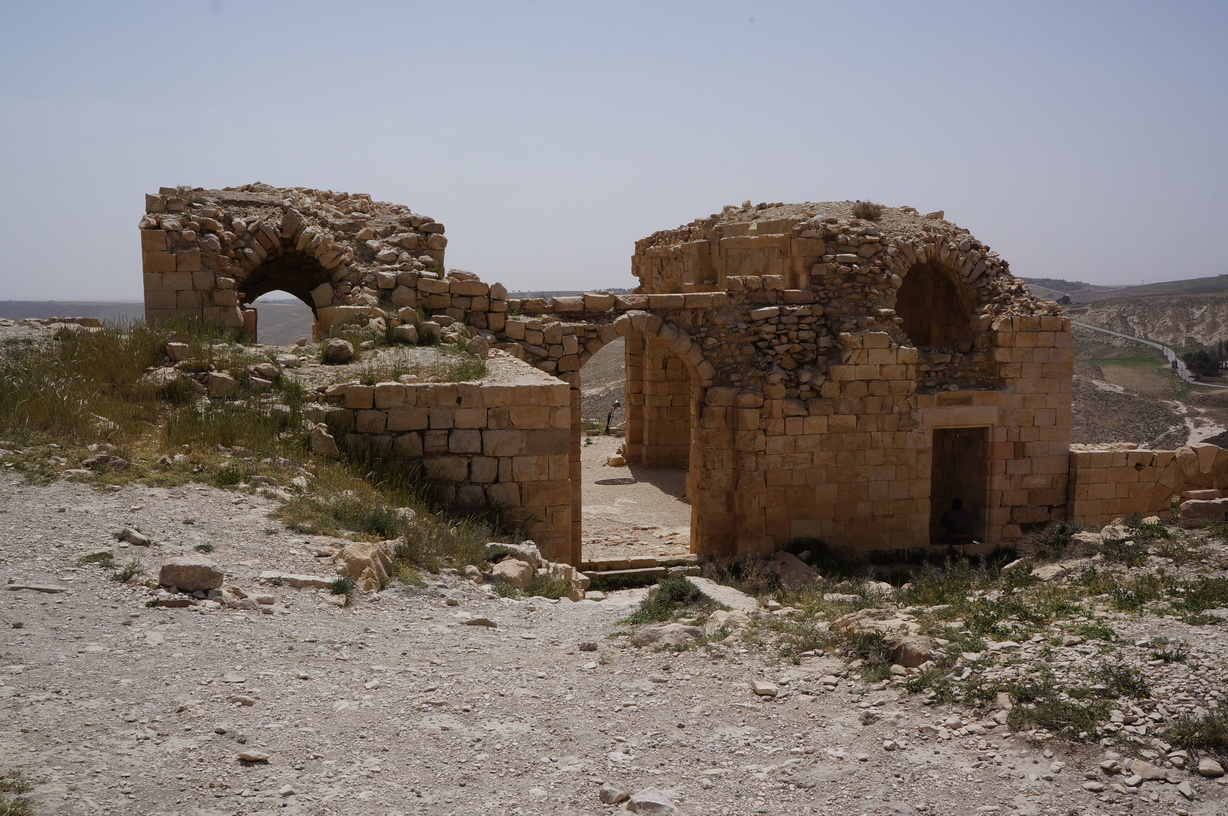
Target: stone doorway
[633, 494]
[960, 470]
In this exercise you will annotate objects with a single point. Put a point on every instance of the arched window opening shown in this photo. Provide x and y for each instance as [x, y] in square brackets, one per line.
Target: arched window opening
[291, 273]
[933, 308]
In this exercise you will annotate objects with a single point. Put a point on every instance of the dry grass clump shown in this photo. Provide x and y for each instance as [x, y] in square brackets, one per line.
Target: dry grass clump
[83, 392]
[868, 210]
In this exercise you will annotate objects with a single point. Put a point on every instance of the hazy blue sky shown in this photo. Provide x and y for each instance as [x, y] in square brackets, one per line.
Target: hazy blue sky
[1083, 140]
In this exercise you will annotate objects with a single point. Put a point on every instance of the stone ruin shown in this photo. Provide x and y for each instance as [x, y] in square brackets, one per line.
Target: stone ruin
[820, 374]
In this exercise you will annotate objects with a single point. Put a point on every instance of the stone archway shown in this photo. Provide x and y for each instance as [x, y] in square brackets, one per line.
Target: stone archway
[208, 253]
[646, 334]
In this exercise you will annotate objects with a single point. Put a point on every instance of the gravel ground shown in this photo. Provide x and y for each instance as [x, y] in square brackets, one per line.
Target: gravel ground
[396, 706]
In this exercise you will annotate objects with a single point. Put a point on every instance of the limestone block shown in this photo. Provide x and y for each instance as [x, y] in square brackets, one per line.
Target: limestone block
[454, 469]
[503, 442]
[1195, 511]
[190, 574]
[158, 262]
[322, 295]
[567, 305]
[368, 564]
[504, 494]
[514, 572]
[407, 445]
[370, 421]
[465, 441]
[408, 419]
[598, 301]
[469, 288]
[359, 396]
[154, 240]
[187, 260]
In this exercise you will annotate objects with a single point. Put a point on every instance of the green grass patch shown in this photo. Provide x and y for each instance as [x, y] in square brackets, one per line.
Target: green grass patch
[1206, 731]
[672, 598]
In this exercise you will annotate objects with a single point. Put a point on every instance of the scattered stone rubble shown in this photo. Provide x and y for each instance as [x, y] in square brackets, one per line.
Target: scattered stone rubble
[282, 702]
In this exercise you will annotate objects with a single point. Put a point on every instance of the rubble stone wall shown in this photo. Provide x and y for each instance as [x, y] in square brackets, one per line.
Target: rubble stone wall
[209, 254]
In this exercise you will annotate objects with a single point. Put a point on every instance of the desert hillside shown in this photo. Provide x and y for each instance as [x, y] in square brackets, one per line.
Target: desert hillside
[1175, 320]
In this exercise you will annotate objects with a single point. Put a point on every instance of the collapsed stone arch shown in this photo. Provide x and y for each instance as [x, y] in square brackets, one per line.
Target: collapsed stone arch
[209, 254]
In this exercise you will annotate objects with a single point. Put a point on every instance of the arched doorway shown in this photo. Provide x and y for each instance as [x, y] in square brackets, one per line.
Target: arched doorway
[639, 503]
[633, 500]
[282, 320]
[290, 273]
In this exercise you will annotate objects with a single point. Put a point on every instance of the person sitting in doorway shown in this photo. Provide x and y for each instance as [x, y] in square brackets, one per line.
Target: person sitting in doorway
[955, 526]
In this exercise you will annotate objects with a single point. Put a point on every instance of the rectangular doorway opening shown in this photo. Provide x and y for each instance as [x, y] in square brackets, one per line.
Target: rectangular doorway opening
[960, 471]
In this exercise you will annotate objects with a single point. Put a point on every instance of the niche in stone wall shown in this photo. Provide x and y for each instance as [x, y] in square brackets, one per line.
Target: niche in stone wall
[933, 308]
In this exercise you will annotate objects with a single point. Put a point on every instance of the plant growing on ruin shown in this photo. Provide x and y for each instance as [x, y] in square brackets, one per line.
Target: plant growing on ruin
[868, 210]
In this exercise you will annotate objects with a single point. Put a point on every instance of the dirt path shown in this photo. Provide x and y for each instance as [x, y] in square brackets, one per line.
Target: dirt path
[631, 511]
[396, 706]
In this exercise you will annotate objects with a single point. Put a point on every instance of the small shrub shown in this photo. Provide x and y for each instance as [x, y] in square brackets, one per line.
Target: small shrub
[547, 586]
[504, 590]
[873, 652]
[1135, 593]
[1166, 650]
[1049, 542]
[124, 574]
[1201, 732]
[1129, 552]
[868, 210]
[671, 597]
[1073, 720]
[1143, 531]
[203, 548]
[1121, 680]
[14, 782]
[1204, 594]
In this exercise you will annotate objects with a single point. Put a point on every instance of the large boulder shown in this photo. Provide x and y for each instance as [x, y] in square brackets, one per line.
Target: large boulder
[525, 551]
[793, 572]
[666, 634]
[1196, 511]
[338, 352]
[515, 572]
[190, 574]
[368, 564]
[323, 443]
[651, 801]
[902, 642]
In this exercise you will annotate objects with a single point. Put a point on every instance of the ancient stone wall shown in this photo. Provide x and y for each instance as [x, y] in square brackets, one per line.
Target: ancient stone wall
[502, 441]
[819, 373]
[209, 254]
[1109, 482]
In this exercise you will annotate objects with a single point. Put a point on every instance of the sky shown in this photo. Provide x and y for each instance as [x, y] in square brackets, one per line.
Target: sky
[1082, 140]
